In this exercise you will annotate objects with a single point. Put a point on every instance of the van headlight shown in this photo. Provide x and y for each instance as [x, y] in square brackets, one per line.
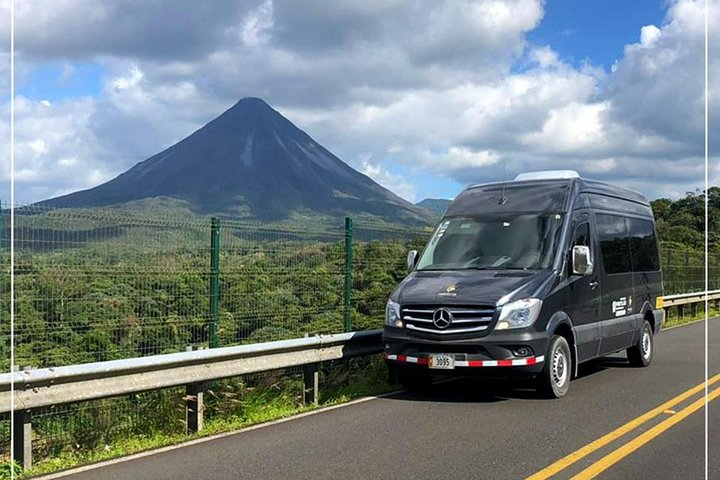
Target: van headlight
[392, 315]
[519, 314]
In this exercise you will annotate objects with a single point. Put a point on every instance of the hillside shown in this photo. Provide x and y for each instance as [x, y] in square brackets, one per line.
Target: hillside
[437, 206]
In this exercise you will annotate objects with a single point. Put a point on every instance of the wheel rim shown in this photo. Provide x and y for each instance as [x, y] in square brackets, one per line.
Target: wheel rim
[559, 367]
[646, 344]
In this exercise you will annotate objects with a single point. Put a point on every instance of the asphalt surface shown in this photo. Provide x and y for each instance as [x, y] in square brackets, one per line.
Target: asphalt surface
[473, 430]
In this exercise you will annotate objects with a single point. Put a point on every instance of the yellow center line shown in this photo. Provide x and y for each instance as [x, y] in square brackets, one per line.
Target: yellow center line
[595, 445]
[612, 458]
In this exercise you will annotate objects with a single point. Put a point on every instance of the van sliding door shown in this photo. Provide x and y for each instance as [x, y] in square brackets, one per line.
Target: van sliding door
[617, 305]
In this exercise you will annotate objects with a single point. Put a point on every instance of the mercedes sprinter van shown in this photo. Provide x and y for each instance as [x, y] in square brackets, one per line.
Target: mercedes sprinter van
[529, 278]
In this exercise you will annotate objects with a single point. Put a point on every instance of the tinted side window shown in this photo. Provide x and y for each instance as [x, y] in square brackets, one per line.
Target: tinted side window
[643, 245]
[614, 243]
[603, 202]
[582, 235]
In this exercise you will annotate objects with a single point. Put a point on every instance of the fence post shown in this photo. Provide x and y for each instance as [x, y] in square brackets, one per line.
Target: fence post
[22, 441]
[347, 324]
[214, 280]
[670, 282]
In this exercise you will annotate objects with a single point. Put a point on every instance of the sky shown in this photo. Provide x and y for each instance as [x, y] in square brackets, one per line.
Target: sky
[423, 96]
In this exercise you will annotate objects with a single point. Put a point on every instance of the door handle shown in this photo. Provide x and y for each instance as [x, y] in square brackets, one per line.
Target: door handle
[594, 285]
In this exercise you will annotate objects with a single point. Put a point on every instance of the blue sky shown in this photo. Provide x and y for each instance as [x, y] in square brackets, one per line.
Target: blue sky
[471, 91]
[59, 80]
[596, 30]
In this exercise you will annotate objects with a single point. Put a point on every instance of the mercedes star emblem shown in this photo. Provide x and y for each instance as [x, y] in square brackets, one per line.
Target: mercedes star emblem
[442, 318]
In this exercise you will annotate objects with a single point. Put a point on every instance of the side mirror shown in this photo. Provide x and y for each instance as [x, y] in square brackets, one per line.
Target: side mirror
[412, 259]
[581, 262]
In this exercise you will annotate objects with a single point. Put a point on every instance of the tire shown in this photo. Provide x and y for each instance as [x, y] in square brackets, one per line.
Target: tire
[554, 380]
[641, 354]
[414, 382]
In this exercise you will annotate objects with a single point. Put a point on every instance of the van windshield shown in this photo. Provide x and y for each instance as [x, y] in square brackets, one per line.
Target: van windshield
[519, 242]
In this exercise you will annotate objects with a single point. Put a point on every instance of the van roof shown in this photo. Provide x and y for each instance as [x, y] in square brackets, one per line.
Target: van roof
[537, 195]
[584, 185]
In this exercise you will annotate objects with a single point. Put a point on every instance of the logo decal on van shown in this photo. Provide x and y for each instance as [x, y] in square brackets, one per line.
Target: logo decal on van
[619, 307]
[449, 291]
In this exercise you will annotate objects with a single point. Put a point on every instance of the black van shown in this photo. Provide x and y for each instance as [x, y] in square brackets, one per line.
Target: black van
[529, 278]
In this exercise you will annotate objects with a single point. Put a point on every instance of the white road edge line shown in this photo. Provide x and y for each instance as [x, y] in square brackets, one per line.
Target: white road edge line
[688, 323]
[197, 441]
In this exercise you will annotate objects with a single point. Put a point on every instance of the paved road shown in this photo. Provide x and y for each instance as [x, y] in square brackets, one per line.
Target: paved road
[467, 429]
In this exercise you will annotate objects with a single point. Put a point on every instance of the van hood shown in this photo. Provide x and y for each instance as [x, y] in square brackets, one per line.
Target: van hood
[468, 287]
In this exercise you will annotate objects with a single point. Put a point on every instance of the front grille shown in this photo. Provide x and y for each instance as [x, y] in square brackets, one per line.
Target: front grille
[464, 319]
[427, 348]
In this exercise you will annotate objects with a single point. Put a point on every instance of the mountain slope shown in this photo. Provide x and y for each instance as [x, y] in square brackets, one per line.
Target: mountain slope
[251, 162]
[437, 206]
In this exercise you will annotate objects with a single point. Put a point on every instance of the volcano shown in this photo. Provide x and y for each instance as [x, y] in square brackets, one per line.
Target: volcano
[249, 162]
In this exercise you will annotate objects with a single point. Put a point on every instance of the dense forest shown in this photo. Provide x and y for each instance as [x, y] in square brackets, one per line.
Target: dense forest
[681, 223]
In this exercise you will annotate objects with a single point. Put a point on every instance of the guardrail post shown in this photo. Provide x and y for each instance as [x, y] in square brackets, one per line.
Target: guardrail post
[214, 280]
[347, 323]
[311, 384]
[22, 441]
[194, 407]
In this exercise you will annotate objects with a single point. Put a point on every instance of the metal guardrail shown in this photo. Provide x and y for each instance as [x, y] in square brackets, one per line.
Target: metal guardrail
[75, 383]
[688, 298]
[53, 386]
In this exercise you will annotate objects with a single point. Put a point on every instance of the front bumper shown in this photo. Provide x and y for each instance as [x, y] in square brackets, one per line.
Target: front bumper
[496, 354]
[659, 315]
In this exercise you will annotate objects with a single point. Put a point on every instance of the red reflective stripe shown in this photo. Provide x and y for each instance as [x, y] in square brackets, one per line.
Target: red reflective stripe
[470, 363]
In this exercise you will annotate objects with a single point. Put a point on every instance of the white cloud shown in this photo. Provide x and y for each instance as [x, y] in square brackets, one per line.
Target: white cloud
[46, 137]
[37, 146]
[575, 127]
[648, 35]
[458, 92]
[460, 158]
[132, 79]
[257, 23]
[395, 183]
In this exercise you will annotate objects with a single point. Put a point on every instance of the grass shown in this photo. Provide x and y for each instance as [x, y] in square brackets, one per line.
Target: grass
[675, 320]
[232, 411]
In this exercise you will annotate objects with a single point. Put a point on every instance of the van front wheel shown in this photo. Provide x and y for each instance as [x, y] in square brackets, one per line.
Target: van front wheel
[554, 380]
[640, 354]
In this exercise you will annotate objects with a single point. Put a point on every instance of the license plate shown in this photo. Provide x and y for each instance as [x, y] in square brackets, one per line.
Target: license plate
[442, 361]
